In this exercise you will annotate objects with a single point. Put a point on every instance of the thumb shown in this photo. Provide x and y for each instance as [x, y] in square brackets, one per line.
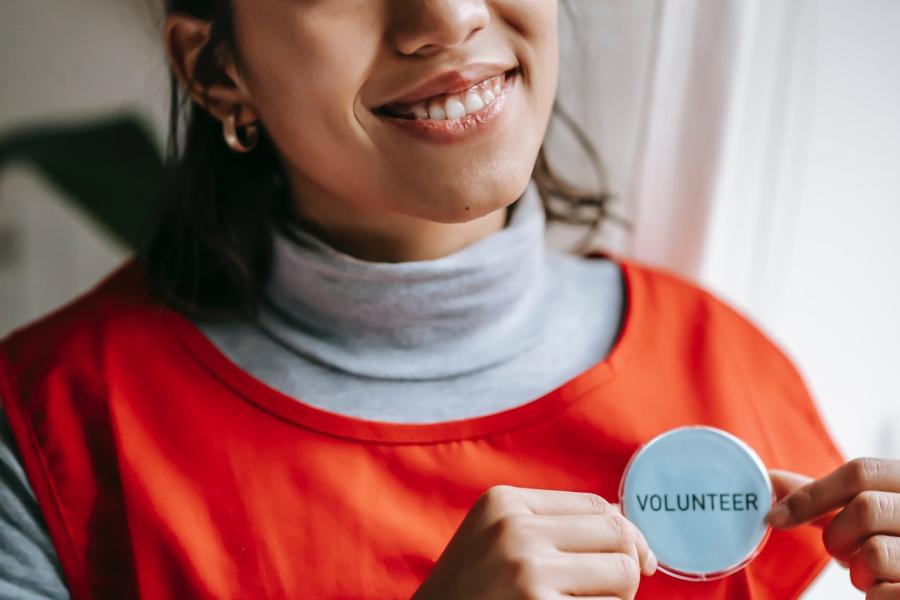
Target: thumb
[785, 483]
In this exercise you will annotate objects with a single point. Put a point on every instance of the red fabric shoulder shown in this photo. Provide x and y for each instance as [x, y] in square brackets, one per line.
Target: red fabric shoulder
[124, 289]
[795, 431]
[53, 389]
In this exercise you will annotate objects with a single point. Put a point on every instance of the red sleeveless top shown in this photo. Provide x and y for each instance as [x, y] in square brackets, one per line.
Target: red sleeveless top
[166, 472]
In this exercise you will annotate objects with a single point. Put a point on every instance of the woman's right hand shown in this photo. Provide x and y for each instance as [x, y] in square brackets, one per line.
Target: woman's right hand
[519, 543]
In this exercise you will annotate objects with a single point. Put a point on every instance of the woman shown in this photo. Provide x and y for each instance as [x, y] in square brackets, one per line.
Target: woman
[347, 367]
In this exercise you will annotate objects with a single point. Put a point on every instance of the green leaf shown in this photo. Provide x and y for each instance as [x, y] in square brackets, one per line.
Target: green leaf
[109, 168]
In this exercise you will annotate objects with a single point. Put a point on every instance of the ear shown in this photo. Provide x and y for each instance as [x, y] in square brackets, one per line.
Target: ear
[185, 39]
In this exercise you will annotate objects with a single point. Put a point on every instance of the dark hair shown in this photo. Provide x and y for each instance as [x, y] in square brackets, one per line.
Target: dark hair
[211, 249]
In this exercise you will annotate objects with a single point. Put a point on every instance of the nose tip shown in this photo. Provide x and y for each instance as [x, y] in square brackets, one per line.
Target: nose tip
[432, 47]
[428, 26]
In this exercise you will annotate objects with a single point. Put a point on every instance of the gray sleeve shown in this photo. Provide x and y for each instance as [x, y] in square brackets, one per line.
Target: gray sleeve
[29, 567]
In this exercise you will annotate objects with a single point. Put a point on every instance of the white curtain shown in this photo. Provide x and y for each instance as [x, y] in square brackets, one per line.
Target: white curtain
[726, 125]
[768, 169]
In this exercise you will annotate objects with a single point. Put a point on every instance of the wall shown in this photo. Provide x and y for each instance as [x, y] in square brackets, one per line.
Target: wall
[61, 60]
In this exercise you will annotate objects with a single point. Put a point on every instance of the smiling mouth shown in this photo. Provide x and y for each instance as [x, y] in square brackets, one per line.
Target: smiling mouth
[450, 107]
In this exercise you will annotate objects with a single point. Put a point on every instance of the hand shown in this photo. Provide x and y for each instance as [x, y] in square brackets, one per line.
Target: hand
[858, 508]
[519, 543]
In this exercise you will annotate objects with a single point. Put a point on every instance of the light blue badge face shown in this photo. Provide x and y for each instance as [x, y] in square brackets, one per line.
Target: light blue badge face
[699, 495]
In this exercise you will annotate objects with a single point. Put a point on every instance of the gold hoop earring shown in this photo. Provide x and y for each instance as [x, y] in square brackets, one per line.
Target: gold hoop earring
[232, 135]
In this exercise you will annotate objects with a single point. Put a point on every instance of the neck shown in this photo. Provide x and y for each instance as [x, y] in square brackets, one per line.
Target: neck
[379, 235]
[414, 319]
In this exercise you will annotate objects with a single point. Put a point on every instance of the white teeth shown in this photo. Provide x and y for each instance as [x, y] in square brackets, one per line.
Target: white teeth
[436, 111]
[454, 108]
[473, 102]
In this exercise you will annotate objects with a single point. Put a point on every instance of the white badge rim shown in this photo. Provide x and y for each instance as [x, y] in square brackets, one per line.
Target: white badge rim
[755, 459]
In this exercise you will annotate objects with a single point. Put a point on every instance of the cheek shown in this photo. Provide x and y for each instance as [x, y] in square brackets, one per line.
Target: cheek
[303, 84]
[546, 45]
[535, 23]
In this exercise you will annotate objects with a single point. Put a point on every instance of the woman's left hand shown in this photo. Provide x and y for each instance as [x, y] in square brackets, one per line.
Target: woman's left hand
[858, 507]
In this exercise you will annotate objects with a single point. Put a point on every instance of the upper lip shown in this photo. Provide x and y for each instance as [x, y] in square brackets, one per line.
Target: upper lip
[449, 82]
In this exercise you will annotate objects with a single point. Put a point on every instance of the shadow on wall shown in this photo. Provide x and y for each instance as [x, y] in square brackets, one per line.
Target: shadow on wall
[109, 168]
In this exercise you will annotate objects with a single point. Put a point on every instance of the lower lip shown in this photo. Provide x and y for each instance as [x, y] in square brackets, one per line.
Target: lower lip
[445, 131]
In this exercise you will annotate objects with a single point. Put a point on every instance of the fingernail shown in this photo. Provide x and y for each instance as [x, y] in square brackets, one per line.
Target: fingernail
[652, 563]
[778, 516]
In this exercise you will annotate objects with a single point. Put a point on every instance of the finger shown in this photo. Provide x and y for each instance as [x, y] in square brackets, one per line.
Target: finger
[868, 514]
[595, 574]
[818, 498]
[648, 559]
[592, 533]
[877, 560]
[508, 499]
[884, 591]
[555, 502]
[785, 483]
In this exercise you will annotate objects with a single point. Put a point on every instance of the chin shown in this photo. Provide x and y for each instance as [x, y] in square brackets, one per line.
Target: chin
[455, 210]
[473, 200]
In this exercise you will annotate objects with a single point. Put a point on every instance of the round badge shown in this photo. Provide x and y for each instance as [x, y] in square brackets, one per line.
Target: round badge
[699, 495]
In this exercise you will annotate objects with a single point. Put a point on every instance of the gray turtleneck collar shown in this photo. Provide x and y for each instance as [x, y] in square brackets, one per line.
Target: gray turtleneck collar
[492, 326]
[417, 320]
